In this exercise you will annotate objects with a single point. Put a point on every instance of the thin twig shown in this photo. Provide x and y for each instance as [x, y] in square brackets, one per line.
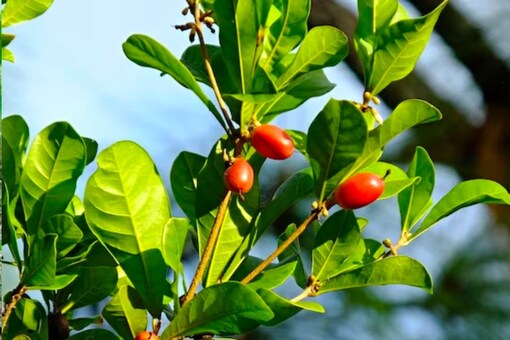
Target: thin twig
[17, 294]
[211, 243]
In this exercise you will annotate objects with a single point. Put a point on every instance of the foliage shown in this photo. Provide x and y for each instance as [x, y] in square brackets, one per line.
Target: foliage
[120, 242]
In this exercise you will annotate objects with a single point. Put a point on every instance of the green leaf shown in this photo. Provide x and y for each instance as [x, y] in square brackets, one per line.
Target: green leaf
[463, 195]
[336, 139]
[407, 114]
[40, 268]
[7, 39]
[126, 206]
[392, 270]
[91, 286]
[323, 46]
[183, 178]
[284, 309]
[126, 313]
[286, 28]
[299, 140]
[368, 251]
[147, 52]
[69, 234]
[94, 334]
[174, 240]
[398, 49]
[87, 256]
[336, 240]
[8, 55]
[395, 181]
[293, 253]
[273, 276]
[28, 316]
[55, 161]
[15, 137]
[91, 146]
[226, 308]
[312, 84]
[80, 323]
[16, 11]
[414, 201]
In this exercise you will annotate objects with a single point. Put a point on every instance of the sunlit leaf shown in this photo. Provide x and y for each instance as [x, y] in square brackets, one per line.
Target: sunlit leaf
[174, 240]
[395, 179]
[16, 11]
[273, 276]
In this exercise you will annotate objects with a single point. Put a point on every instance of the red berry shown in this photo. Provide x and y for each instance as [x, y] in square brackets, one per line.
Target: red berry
[359, 190]
[239, 176]
[146, 335]
[272, 142]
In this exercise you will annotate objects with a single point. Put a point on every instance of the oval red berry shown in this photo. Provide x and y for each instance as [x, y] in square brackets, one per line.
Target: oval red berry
[146, 335]
[239, 176]
[272, 142]
[359, 190]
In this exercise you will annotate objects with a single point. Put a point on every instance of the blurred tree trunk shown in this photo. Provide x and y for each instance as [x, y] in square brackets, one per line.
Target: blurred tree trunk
[473, 152]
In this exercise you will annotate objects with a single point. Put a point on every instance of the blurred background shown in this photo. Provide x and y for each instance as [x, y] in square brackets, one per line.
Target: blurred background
[70, 66]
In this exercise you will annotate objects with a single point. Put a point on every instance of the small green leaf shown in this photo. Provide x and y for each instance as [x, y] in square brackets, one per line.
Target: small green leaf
[69, 234]
[463, 195]
[55, 161]
[8, 55]
[299, 140]
[368, 251]
[395, 181]
[91, 146]
[284, 309]
[336, 240]
[336, 139]
[28, 316]
[273, 276]
[16, 11]
[398, 49]
[91, 286]
[323, 46]
[174, 240]
[126, 206]
[7, 39]
[8, 229]
[147, 52]
[414, 201]
[183, 178]
[226, 308]
[15, 137]
[293, 253]
[80, 323]
[392, 270]
[126, 313]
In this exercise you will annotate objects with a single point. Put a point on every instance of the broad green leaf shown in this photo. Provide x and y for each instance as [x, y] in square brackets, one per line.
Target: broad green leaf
[336, 240]
[226, 308]
[40, 268]
[293, 253]
[69, 234]
[15, 137]
[273, 276]
[147, 52]
[126, 206]
[395, 181]
[194, 61]
[238, 220]
[8, 55]
[312, 84]
[174, 240]
[91, 146]
[285, 29]
[323, 46]
[91, 286]
[414, 201]
[398, 49]
[284, 309]
[392, 270]
[183, 178]
[374, 16]
[55, 161]
[336, 139]
[16, 11]
[407, 114]
[463, 195]
[7, 39]
[29, 317]
[368, 251]
[126, 313]
[94, 334]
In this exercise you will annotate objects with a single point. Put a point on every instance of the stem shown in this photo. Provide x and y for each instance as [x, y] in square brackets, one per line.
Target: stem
[211, 242]
[303, 295]
[314, 215]
[210, 72]
[15, 297]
